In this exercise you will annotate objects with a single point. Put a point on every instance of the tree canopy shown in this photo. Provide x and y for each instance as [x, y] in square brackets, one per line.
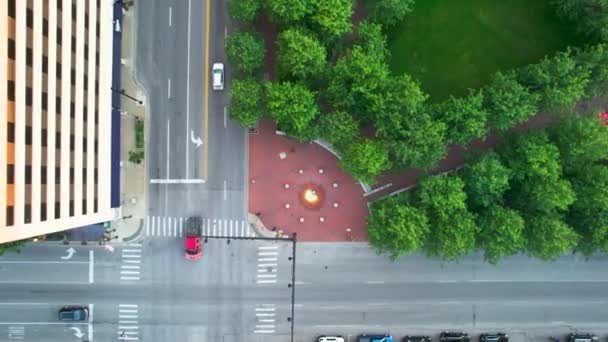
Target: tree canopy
[339, 128]
[288, 11]
[390, 12]
[11, 247]
[501, 233]
[486, 180]
[465, 118]
[245, 102]
[244, 10]
[396, 228]
[453, 227]
[580, 140]
[365, 160]
[549, 237]
[332, 17]
[591, 16]
[246, 51]
[532, 154]
[508, 102]
[300, 54]
[293, 107]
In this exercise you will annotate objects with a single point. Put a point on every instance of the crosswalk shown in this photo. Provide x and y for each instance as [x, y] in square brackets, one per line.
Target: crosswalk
[267, 264]
[265, 319]
[128, 322]
[131, 262]
[165, 226]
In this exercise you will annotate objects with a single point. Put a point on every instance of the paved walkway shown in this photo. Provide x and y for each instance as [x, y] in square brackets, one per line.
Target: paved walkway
[268, 197]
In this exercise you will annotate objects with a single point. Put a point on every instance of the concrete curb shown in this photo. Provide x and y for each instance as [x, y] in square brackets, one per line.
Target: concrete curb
[259, 227]
[137, 235]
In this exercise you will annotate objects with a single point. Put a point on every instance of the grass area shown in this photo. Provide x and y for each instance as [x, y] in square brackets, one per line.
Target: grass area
[451, 46]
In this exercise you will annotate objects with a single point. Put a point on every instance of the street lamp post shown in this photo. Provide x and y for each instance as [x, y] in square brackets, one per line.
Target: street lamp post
[122, 92]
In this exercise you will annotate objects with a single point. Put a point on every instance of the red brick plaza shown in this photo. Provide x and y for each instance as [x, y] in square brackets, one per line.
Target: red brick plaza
[296, 187]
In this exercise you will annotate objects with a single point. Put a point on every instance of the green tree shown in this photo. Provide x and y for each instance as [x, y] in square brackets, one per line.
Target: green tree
[288, 11]
[532, 154]
[372, 39]
[465, 118]
[12, 246]
[332, 17]
[246, 51]
[401, 98]
[591, 16]
[365, 160]
[560, 80]
[589, 213]
[390, 12]
[453, 227]
[486, 180]
[580, 140]
[396, 228]
[542, 194]
[245, 106]
[508, 102]
[595, 58]
[501, 233]
[339, 128]
[420, 143]
[292, 106]
[300, 54]
[244, 10]
[549, 237]
[357, 80]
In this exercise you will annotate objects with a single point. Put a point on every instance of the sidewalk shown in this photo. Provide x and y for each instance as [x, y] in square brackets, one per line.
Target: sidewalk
[132, 175]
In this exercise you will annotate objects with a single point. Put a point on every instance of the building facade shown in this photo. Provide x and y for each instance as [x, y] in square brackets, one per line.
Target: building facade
[55, 121]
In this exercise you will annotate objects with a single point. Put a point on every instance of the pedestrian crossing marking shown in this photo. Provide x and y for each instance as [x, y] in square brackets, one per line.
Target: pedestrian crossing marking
[169, 226]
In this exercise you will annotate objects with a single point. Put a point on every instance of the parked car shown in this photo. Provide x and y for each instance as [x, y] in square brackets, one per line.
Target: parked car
[330, 339]
[193, 249]
[494, 337]
[73, 313]
[375, 338]
[218, 76]
[418, 338]
[581, 337]
[454, 336]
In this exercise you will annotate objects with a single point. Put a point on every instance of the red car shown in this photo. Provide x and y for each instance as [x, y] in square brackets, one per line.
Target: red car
[193, 248]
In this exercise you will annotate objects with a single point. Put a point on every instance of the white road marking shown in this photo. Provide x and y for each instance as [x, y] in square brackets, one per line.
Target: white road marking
[129, 278]
[264, 314]
[135, 244]
[267, 275]
[176, 181]
[132, 261]
[267, 259]
[374, 282]
[90, 330]
[127, 316]
[168, 88]
[265, 320]
[181, 227]
[264, 309]
[267, 253]
[188, 92]
[174, 226]
[168, 145]
[128, 310]
[44, 262]
[225, 117]
[266, 281]
[127, 322]
[127, 305]
[263, 326]
[130, 256]
[267, 265]
[129, 267]
[170, 16]
[263, 270]
[127, 327]
[132, 250]
[91, 267]
[268, 247]
[264, 331]
[129, 272]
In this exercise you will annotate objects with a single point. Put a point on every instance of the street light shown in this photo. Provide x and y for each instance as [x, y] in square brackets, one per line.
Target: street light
[122, 92]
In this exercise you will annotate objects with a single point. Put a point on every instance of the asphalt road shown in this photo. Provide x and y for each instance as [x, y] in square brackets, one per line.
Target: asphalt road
[235, 293]
[177, 42]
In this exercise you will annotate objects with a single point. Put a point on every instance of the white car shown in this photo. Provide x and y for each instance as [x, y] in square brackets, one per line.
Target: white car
[330, 339]
[218, 76]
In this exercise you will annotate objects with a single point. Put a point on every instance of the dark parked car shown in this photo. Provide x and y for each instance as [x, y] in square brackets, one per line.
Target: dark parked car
[73, 313]
[418, 338]
[494, 337]
[582, 338]
[454, 336]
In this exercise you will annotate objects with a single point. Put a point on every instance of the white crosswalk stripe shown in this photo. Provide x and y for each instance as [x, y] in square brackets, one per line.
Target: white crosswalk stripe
[130, 268]
[168, 226]
[128, 322]
[265, 317]
[267, 265]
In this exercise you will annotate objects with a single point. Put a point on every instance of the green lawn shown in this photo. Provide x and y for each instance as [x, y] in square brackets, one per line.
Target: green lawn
[453, 45]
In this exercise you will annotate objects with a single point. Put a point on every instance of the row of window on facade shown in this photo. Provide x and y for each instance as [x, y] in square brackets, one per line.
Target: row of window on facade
[27, 211]
[10, 175]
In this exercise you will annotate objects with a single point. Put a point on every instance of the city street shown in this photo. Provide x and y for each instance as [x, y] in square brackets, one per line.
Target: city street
[195, 156]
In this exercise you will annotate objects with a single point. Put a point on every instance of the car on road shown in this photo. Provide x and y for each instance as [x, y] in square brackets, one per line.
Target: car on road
[494, 337]
[337, 338]
[581, 337]
[73, 313]
[218, 76]
[417, 338]
[193, 248]
[454, 336]
[375, 338]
